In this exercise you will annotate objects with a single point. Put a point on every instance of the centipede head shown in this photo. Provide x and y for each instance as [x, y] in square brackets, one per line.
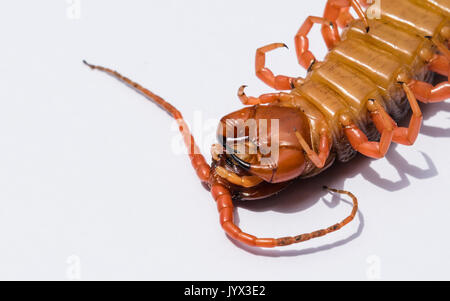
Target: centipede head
[260, 142]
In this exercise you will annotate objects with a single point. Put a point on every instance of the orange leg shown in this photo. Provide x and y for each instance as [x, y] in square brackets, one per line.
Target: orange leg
[428, 93]
[337, 11]
[319, 159]
[226, 212]
[407, 136]
[305, 57]
[265, 98]
[359, 140]
[402, 135]
[344, 17]
[439, 64]
[197, 160]
[279, 82]
[244, 181]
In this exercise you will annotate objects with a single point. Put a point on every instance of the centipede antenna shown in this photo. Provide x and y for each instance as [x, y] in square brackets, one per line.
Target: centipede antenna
[225, 207]
[150, 95]
[197, 159]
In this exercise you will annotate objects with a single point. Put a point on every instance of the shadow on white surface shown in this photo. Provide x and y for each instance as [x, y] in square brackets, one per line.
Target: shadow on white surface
[430, 110]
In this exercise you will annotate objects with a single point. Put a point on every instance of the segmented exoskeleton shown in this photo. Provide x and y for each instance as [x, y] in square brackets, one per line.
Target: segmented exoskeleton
[374, 73]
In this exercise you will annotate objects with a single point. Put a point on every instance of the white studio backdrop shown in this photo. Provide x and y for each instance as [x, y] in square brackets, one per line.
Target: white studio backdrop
[93, 187]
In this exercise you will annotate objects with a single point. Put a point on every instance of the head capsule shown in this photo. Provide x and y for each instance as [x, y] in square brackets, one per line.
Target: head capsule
[261, 139]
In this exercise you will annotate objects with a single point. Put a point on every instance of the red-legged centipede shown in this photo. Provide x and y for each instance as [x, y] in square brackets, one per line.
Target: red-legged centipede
[376, 70]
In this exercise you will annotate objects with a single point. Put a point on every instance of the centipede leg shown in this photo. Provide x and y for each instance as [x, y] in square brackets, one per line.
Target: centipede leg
[243, 181]
[265, 98]
[337, 11]
[359, 140]
[407, 136]
[344, 18]
[318, 159]
[439, 64]
[279, 82]
[197, 160]
[402, 135]
[305, 57]
[428, 93]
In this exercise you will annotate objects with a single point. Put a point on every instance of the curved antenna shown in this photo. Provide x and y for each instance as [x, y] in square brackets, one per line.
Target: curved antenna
[226, 211]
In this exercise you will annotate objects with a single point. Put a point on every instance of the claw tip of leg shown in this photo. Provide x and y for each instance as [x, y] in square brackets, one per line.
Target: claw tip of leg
[241, 90]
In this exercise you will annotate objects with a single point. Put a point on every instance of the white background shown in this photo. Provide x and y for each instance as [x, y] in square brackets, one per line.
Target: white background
[90, 185]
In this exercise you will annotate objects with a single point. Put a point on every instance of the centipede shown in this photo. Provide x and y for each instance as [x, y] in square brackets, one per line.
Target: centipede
[381, 61]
